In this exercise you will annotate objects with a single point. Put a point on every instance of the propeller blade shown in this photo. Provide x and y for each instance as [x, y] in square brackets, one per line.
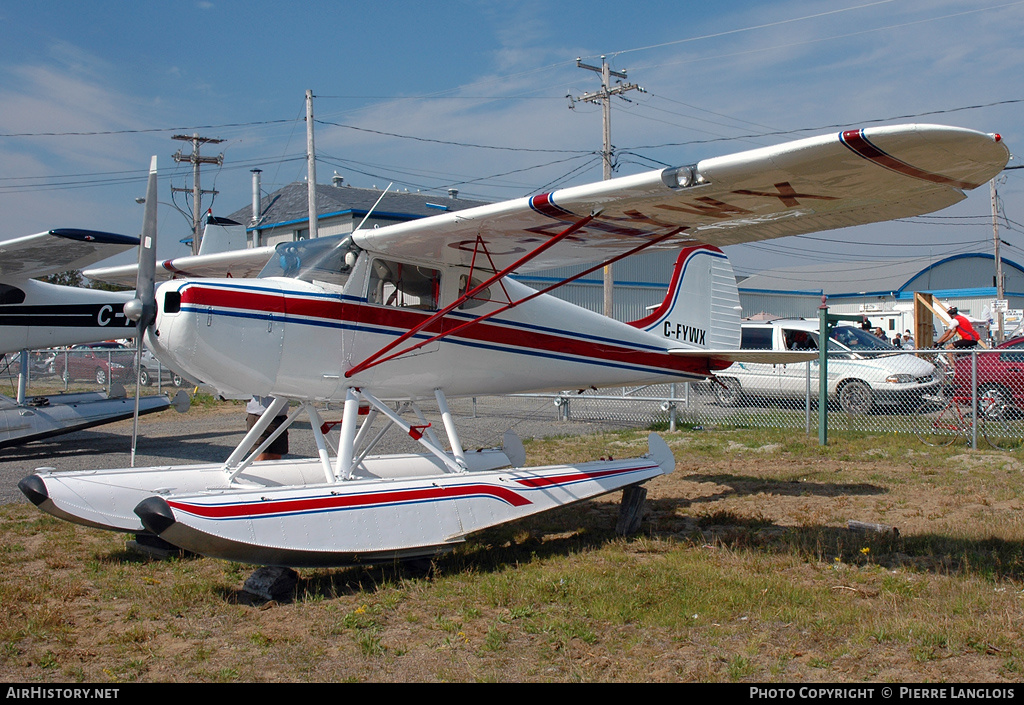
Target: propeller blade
[142, 309]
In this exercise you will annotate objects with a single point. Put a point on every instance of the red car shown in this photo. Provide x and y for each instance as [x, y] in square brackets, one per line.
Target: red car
[1000, 374]
[98, 361]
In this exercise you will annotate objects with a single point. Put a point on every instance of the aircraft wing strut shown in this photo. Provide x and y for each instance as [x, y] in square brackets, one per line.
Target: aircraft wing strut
[469, 293]
[376, 360]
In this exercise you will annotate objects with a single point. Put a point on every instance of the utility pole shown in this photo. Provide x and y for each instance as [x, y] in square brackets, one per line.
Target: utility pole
[311, 168]
[604, 96]
[197, 193]
[999, 261]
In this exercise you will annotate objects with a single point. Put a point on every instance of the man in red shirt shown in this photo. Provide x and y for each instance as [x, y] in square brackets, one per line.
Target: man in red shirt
[962, 327]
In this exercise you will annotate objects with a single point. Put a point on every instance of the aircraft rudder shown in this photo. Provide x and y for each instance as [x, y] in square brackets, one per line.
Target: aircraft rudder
[701, 307]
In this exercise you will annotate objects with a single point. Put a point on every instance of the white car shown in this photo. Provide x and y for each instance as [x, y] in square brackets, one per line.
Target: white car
[864, 372]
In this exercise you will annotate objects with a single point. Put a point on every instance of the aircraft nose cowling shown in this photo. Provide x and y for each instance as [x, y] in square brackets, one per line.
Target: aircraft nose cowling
[222, 334]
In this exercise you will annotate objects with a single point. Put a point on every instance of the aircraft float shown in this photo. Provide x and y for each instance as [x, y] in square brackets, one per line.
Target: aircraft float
[381, 320]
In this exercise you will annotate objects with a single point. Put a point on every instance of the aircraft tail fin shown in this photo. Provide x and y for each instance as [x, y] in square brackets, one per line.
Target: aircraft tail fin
[222, 235]
[702, 306]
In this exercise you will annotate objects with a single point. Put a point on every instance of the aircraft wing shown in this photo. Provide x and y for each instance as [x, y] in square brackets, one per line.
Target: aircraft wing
[237, 263]
[819, 183]
[58, 250]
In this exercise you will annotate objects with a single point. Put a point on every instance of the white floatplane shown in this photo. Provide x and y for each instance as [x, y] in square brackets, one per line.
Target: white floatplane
[383, 319]
[45, 415]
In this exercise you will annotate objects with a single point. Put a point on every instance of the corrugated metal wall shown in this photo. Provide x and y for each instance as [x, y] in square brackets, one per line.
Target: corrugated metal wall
[641, 282]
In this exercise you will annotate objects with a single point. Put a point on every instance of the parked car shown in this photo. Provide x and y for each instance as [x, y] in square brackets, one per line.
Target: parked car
[152, 370]
[97, 361]
[864, 372]
[1000, 374]
[40, 363]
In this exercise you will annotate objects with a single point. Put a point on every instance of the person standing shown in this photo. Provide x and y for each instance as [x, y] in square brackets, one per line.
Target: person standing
[254, 409]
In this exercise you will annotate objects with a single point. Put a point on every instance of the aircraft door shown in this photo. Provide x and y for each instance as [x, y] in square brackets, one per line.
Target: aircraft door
[399, 296]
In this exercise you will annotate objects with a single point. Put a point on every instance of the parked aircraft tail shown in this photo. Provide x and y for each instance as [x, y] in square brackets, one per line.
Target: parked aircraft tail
[222, 235]
[702, 306]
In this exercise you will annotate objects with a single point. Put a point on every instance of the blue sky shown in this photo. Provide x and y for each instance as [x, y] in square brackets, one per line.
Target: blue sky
[472, 95]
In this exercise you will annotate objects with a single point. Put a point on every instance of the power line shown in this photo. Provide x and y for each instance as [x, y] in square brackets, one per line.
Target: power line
[777, 133]
[451, 143]
[97, 133]
[75, 181]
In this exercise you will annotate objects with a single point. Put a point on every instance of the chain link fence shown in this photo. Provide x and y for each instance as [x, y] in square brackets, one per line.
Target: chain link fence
[91, 367]
[941, 397]
[938, 396]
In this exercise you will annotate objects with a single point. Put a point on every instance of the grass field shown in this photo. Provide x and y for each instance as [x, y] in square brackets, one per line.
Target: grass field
[745, 570]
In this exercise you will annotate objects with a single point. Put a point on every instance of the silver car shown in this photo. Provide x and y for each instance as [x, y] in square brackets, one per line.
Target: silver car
[152, 369]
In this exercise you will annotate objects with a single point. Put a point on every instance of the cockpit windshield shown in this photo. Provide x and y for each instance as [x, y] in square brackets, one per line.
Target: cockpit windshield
[323, 259]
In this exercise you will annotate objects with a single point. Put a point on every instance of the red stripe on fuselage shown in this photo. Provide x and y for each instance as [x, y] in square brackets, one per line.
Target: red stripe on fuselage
[404, 319]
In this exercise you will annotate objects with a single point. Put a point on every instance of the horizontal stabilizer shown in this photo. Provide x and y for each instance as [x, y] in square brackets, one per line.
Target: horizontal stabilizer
[238, 263]
[768, 357]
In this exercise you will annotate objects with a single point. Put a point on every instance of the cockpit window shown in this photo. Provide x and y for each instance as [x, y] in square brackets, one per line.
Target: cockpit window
[403, 285]
[480, 298]
[327, 259]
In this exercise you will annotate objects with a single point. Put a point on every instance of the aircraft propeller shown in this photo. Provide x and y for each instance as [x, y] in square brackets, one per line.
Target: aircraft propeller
[142, 309]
